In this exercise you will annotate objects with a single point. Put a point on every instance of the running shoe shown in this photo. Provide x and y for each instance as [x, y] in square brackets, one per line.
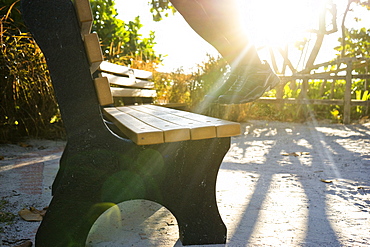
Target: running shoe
[248, 84]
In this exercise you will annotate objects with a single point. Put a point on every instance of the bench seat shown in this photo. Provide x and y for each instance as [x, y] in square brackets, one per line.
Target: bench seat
[150, 124]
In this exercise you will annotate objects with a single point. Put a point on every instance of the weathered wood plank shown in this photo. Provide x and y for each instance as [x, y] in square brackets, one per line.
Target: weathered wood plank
[178, 106]
[300, 101]
[131, 92]
[136, 130]
[93, 50]
[323, 76]
[103, 91]
[224, 128]
[347, 94]
[127, 82]
[198, 130]
[84, 15]
[312, 101]
[124, 70]
[172, 132]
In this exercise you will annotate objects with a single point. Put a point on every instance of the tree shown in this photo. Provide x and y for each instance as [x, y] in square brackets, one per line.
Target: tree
[159, 7]
[346, 34]
[121, 42]
[357, 43]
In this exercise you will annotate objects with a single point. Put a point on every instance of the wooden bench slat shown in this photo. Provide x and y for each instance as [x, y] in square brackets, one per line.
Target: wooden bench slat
[103, 91]
[131, 92]
[198, 130]
[93, 50]
[136, 130]
[224, 128]
[127, 82]
[172, 132]
[84, 15]
[124, 70]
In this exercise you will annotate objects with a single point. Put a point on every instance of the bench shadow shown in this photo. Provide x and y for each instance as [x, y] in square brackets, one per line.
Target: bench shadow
[311, 172]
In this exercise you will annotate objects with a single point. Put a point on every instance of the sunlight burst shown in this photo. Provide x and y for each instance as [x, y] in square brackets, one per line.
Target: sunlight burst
[279, 23]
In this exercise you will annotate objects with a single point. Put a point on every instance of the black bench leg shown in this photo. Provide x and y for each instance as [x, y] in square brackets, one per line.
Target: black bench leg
[191, 190]
[200, 222]
[202, 229]
[68, 221]
[81, 189]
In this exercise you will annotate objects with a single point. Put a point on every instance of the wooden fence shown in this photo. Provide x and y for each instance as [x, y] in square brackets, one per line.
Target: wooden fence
[346, 101]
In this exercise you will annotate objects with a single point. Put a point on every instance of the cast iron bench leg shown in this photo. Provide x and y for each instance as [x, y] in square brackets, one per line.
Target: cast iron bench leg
[190, 189]
[79, 193]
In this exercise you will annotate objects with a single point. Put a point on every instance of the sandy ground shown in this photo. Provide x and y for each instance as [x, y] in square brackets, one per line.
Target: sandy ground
[281, 184]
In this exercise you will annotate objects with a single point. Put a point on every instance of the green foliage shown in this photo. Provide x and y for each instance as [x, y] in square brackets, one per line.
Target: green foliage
[110, 29]
[357, 43]
[172, 87]
[178, 87]
[120, 41]
[208, 75]
[160, 7]
[320, 89]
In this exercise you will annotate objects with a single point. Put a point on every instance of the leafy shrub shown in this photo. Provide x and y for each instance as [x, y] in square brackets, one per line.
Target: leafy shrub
[172, 87]
[27, 103]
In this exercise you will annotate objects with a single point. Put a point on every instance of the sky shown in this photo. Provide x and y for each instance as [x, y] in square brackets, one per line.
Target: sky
[269, 22]
[183, 47]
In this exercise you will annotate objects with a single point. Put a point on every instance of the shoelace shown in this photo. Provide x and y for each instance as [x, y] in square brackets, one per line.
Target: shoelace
[242, 84]
[238, 84]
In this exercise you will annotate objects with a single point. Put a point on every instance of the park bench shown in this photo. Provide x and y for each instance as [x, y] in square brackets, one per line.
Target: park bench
[149, 124]
[116, 154]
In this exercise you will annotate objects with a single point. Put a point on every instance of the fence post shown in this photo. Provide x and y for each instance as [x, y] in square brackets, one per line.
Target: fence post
[347, 94]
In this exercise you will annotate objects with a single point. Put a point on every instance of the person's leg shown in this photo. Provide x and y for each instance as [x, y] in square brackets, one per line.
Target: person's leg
[218, 23]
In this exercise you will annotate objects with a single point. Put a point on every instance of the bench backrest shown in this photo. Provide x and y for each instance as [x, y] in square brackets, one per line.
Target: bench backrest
[127, 86]
[114, 83]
